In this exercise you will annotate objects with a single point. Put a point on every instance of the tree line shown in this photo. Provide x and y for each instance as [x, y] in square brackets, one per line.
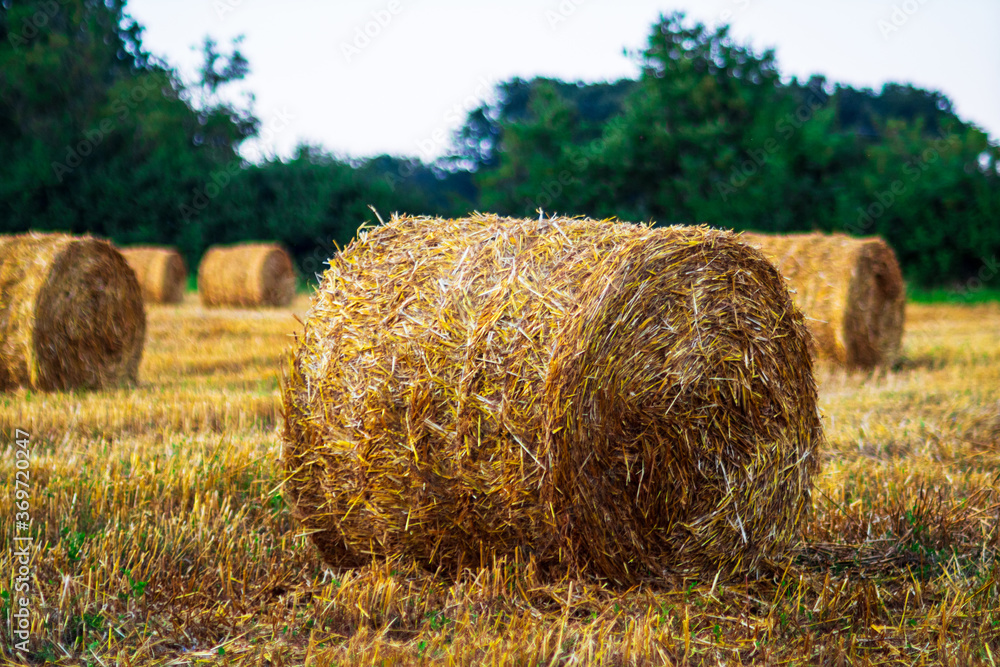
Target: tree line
[99, 136]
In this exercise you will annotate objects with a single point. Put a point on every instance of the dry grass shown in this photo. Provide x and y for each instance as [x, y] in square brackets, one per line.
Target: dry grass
[163, 541]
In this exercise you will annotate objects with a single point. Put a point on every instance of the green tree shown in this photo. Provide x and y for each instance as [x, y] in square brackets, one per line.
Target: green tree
[710, 134]
[97, 135]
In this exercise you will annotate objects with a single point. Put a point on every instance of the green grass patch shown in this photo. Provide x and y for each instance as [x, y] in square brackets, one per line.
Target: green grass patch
[940, 295]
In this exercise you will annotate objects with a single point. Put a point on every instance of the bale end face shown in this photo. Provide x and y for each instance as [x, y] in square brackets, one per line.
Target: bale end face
[876, 306]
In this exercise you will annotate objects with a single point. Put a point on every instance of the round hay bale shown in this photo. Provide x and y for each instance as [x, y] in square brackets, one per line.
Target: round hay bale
[246, 275]
[593, 395]
[71, 314]
[161, 272]
[850, 289]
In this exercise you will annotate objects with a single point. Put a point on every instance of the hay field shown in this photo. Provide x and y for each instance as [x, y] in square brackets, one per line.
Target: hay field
[163, 538]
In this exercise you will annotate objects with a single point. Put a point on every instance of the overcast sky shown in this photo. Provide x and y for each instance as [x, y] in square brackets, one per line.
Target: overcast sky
[403, 87]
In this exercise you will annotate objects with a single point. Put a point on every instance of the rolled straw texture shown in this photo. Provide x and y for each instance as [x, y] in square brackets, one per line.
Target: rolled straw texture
[161, 272]
[246, 275]
[71, 314]
[593, 395]
[850, 289]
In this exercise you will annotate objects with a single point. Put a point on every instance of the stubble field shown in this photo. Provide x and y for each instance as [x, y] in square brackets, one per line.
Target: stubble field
[162, 537]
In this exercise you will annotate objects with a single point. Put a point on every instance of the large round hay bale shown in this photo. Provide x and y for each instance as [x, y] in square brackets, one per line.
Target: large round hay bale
[597, 396]
[71, 314]
[161, 272]
[246, 275]
[850, 289]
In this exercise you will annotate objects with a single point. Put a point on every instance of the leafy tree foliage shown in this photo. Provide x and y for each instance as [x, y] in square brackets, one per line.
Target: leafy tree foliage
[97, 135]
[711, 133]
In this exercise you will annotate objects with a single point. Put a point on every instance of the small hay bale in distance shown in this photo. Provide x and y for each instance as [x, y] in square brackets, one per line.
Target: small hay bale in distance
[71, 314]
[161, 272]
[593, 395]
[246, 275]
[850, 289]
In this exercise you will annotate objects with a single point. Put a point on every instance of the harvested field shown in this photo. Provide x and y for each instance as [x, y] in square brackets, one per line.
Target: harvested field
[162, 535]
[850, 289]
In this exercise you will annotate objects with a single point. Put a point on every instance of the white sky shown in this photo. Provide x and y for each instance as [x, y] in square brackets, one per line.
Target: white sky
[406, 90]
